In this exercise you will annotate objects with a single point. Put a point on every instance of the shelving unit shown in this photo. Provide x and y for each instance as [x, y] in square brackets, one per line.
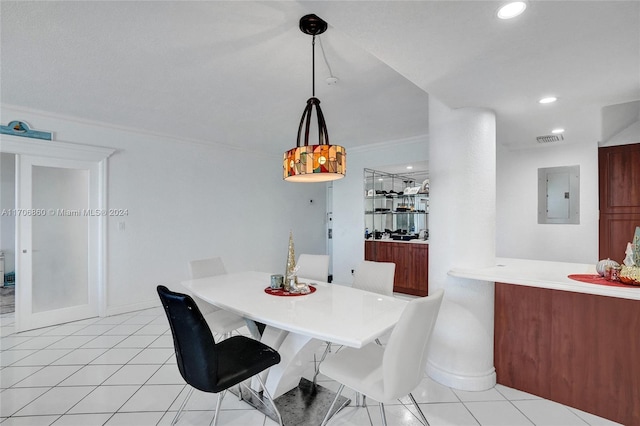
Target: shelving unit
[393, 209]
[396, 211]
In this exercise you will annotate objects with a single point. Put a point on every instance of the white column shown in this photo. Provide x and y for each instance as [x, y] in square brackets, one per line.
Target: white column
[462, 172]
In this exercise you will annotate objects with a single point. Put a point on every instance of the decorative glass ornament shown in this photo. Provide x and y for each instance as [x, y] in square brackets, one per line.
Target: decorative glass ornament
[602, 265]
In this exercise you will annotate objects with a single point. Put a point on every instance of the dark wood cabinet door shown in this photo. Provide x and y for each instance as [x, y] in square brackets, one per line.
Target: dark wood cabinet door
[418, 274]
[581, 350]
[402, 261]
[369, 250]
[619, 191]
[616, 230]
[412, 264]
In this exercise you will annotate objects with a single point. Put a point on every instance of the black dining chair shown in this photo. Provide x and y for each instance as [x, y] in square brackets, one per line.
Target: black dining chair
[209, 366]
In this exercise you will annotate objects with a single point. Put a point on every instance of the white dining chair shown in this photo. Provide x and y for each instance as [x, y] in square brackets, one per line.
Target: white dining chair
[220, 321]
[375, 276]
[314, 267]
[388, 373]
[208, 267]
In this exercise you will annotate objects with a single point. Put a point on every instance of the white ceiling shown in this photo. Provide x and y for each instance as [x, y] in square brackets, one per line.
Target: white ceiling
[239, 73]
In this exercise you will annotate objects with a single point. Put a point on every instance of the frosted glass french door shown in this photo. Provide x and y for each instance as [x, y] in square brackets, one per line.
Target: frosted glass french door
[57, 228]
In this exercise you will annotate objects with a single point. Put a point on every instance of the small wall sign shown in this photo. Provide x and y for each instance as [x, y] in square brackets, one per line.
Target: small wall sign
[20, 128]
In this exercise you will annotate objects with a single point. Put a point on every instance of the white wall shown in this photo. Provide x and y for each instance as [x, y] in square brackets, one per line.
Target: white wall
[189, 200]
[620, 124]
[518, 233]
[348, 198]
[628, 135]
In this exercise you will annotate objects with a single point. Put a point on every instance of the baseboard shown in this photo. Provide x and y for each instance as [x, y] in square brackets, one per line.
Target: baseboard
[125, 309]
[478, 382]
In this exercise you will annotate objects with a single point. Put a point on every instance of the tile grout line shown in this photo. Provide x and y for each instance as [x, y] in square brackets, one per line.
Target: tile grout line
[116, 371]
[152, 319]
[82, 365]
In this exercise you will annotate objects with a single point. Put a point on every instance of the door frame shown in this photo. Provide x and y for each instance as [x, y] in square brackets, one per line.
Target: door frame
[69, 151]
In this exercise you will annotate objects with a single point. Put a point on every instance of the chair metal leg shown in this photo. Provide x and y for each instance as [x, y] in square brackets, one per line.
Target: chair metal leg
[214, 421]
[415, 404]
[273, 403]
[253, 329]
[327, 349]
[326, 416]
[259, 394]
[384, 417]
[184, 403]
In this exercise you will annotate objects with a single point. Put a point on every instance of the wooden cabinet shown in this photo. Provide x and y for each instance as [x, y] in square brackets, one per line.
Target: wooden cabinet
[619, 181]
[412, 264]
[581, 350]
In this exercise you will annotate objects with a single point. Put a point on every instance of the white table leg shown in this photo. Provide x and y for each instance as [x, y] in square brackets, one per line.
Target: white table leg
[296, 351]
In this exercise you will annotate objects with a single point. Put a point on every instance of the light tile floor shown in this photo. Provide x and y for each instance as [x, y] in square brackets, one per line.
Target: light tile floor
[121, 370]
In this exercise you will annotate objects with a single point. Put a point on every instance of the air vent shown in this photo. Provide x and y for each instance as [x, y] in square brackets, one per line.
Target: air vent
[550, 138]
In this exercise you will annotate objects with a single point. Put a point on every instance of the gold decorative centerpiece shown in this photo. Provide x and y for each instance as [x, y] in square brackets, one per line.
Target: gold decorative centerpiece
[630, 272]
[290, 277]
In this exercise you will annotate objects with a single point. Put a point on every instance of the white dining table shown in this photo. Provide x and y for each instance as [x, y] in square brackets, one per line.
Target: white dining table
[297, 325]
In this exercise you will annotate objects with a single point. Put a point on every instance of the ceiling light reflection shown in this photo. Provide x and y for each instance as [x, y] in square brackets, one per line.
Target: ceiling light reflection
[511, 10]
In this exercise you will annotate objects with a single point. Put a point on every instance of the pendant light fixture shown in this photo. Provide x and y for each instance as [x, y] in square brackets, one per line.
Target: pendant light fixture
[321, 162]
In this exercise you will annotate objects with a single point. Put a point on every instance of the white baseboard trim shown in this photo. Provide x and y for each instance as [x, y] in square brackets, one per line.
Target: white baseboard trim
[478, 382]
[125, 309]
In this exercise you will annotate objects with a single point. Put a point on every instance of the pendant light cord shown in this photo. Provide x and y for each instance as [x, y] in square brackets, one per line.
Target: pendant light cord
[313, 67]
[313, 63]
[324, 55]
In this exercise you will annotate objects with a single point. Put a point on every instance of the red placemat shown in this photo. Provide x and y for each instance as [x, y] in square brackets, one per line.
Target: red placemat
[597, 279]
[281, 292]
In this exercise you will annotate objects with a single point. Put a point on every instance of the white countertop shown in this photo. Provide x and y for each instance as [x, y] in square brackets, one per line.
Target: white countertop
[390, 240]
[545, 274]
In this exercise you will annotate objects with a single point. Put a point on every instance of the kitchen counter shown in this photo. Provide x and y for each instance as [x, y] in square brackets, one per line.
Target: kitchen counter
[545, 274]
[567, 341]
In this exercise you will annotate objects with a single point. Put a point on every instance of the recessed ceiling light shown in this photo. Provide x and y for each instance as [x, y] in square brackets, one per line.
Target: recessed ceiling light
[557, 131]
[511, 10]
[409, 167]
[548, 100]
